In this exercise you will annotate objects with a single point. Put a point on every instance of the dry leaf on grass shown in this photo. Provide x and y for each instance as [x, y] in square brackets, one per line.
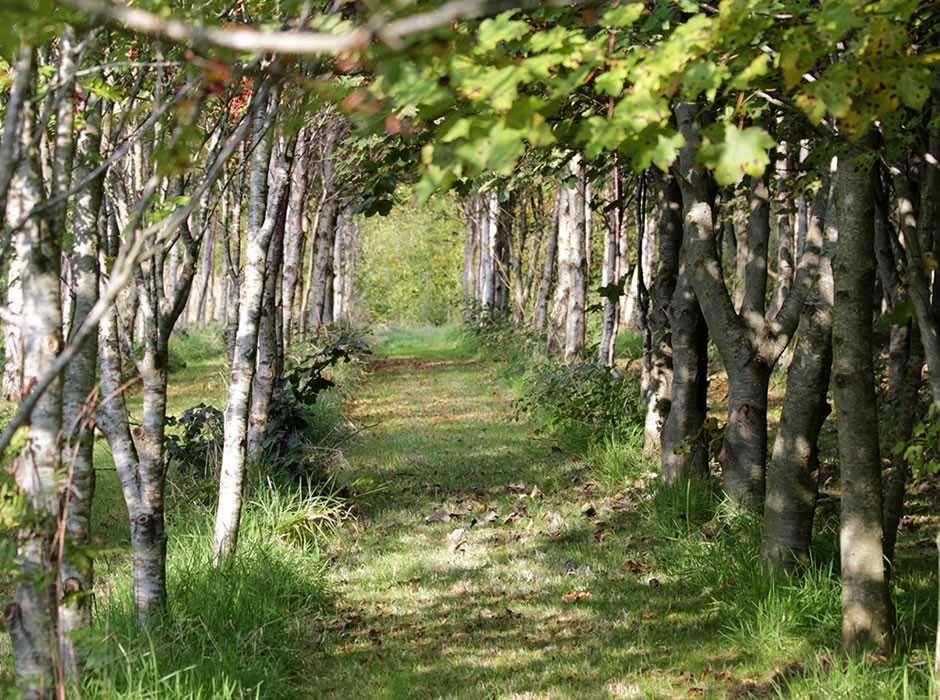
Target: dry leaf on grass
[575, 596]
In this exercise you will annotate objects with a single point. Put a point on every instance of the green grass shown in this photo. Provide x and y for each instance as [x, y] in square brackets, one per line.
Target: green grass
[484, 563]
[472, 558]
[430, 342]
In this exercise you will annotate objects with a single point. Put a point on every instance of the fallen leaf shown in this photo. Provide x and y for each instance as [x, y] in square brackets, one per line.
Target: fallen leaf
[588, 510]
[459, 590]
[574, 596]
[458, 546]
[439, 515]
[631, 565]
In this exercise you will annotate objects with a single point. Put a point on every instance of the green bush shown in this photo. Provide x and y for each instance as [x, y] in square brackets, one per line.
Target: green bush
[582, 401]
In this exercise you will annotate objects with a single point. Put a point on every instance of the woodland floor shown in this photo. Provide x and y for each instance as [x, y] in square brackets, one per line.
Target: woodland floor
[485, 561]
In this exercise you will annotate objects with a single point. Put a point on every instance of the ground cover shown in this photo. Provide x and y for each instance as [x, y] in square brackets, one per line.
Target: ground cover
[485, 561]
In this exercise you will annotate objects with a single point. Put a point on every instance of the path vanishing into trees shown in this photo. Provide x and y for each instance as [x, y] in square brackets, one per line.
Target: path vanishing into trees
[486, 561]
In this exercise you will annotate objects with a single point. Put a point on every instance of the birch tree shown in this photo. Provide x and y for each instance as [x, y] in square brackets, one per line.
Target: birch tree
[264, 207]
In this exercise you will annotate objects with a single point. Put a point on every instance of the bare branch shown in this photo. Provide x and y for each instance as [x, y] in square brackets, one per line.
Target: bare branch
[249, 40]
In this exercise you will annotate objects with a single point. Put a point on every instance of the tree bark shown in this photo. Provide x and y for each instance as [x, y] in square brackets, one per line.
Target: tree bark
[610, 324]
[867, 615]
[792, 477]
[749, 343]
[657, 357]
[548, 267]
[269, 363]
[295, 236]
[264, 212]
[75, 574]
[578, 270]
[31, 618]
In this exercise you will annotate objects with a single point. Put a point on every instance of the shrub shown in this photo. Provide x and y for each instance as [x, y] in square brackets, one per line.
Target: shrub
[581, 400]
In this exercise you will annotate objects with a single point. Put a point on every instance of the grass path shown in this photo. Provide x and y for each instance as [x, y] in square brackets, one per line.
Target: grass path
[485, 562]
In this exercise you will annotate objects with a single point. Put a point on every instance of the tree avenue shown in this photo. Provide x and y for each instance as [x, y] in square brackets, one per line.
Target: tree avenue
[748, 186]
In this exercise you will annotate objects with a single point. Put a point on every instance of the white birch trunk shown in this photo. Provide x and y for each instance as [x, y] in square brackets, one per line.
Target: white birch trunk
[31, 618]
[263, 213]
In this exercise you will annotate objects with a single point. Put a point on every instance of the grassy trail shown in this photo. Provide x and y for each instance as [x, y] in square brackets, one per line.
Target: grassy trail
[485, 563]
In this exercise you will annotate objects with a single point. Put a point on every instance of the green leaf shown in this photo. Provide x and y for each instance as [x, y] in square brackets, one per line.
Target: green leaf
[611, 81]
[913, 87]
[500, 28]
[733, 152]
[622, 15]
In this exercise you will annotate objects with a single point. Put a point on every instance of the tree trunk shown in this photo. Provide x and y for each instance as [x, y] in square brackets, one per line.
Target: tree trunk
[548, 268]
[610, 324]
[76, 573]
[867, 615]
[268, 365]
[682, 449]
[578, 270]
[559, 315]
[657, 357]
[749, 343]
[295, 237]
[792, 478]
[264, 212]
[31, 618]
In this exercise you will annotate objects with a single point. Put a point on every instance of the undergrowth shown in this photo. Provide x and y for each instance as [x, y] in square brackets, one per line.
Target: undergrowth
[240, 631]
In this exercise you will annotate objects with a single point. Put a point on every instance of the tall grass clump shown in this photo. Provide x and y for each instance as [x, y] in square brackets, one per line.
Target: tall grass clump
[239, 631]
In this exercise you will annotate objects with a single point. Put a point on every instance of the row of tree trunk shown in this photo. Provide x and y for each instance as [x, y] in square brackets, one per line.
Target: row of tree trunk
[260, 238]
[743, 267]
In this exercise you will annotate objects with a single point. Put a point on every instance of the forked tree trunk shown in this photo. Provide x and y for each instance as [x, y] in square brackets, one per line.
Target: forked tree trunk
[750, 343]
[867, 614]
[792, 477]
[264, 213]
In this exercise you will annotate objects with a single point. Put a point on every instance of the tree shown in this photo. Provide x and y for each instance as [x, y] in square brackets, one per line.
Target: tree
[867, 612]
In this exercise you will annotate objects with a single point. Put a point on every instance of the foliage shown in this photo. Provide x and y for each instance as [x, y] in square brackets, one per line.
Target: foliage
[494, 332]
[922, 451]
[295, 427]
[411, 264]
[196, 446]
[579, 400]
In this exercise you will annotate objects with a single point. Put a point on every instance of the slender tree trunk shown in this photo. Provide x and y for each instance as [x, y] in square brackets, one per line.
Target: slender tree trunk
[559, 315]
[548, 268]
[792, 478]
[31, 618]
[76, 573]
[867, 615]
[264, 213]
[295, 236]
[657, 358]
[578, 269]
[268, 365]
[916, 217]
[611, 306]
[339, 243]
